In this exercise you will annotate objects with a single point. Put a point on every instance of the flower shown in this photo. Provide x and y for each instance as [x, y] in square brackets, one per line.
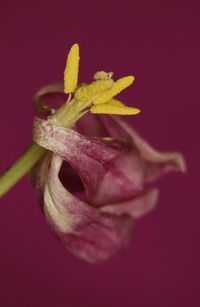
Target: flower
[115, 165]
[94, 176]
[115, 174]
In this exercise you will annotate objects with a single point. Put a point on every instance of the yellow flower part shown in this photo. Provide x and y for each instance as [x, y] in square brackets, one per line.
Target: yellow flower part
[90, 91]
[71, 70]
[115, 102]
[117, 87]
[109, 108]
[96, 96]
[102, 75]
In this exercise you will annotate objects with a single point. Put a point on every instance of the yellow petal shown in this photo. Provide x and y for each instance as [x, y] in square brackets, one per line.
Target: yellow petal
[71, 70]
[117, 87]
[89, 91]
[113, 109]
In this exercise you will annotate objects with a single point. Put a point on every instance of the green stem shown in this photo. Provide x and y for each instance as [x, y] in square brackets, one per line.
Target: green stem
[20, 167]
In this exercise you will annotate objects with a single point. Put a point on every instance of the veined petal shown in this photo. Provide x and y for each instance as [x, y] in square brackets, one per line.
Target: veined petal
[123, 180]
[71, 70]
[117, 87]
[84, 154]
[82, 229]
[136, 207]
[88, 91]
[113, 108]
[156, 163]
[118, 172]
[144, 163]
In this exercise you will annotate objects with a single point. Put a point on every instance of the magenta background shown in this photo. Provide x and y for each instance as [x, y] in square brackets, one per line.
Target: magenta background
[157, 41]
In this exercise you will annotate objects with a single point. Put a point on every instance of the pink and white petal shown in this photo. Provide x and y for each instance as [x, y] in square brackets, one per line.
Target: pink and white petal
[97, 242]
[136, 208]
[39, 173]
[124, 180]
[156, 163]
[81, 228]
[90, 157]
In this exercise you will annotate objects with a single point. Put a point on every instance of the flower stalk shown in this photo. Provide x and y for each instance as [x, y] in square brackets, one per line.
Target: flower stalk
[20, 168]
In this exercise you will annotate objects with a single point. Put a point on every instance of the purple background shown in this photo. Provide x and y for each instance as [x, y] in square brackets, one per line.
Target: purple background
[157, 41]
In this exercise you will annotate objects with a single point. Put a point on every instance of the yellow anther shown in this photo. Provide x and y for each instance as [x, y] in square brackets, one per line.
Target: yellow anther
[117, 87]
[71, 70]
[115, 102]
[113, 109]
[100, 92]
[102, 75]
[90, 91]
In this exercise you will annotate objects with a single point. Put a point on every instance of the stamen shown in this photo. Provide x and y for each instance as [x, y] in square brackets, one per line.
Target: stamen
[90, 91]
[117, 87]
[102, 75]
[108, 108]
[71, 70]
[115, 102]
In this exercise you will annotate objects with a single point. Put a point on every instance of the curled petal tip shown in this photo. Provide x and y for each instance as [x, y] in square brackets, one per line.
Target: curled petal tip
[180, 162]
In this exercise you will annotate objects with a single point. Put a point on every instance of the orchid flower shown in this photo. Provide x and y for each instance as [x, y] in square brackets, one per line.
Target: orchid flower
[94, 174]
